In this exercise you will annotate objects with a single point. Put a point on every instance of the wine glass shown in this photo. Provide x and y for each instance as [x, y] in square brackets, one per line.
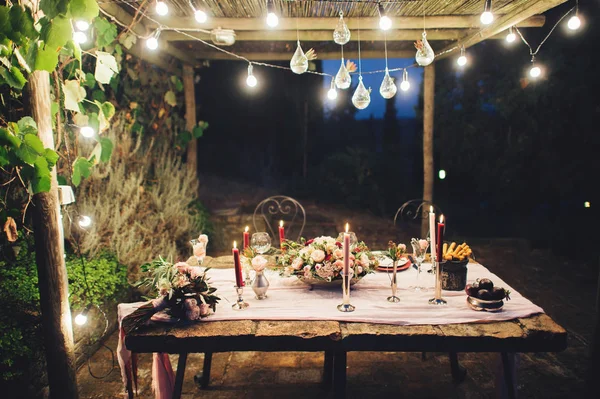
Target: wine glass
[260, 242]
[419, 247]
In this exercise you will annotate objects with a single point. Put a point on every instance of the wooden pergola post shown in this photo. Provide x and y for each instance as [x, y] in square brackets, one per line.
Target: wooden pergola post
[49, 257]
[428, 109]
[190, 116]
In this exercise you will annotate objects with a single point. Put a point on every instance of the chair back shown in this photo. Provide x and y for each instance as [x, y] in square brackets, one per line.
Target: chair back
[280, 207]
[414, 215]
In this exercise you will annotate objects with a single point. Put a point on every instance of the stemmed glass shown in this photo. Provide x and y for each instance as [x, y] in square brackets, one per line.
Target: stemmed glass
[419, 247]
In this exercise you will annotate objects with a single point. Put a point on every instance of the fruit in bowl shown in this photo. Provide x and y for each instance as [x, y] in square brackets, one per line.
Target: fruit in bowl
[483, 295]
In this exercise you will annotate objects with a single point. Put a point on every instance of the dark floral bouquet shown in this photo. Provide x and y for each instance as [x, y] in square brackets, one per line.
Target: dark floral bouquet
[181, 290]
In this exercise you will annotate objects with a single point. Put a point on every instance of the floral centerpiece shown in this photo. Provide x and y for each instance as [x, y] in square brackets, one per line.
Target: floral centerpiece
[181, 290]
[320, 261]
[395, 251]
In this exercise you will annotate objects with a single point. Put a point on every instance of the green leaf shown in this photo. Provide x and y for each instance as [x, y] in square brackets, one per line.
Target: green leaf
[4, 22]
[27, 125]
[94, 122]
[62, 181]
[13, 77]
[84, 9]
[74, 94]
[31, 148]
[128, 40]
[52, 8]
[22, 24]
[7, 138]
[58, 32]
[51, 156]
[105, 32]
[98, 95]
[75, 49]
[108, 109]
[177, 83]
[198, 132]
[82, 168]
[106, 67]
[170, 98]
[90, 80]
[45, 58]
[107, 148]
[41, 178]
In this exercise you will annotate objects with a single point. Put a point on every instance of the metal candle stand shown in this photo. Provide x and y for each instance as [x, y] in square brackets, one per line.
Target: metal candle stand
[239, 304]
[437, 300]
[345, 306]
[394, 298]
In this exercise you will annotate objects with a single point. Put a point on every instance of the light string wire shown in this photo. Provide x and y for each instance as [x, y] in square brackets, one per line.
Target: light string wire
[359, 61]
[537, 50]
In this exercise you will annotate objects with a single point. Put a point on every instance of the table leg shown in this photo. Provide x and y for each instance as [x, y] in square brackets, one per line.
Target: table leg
[179, 376]
[339, 375]
[205, 380]
[458, 372]
[508, 370]
[327, 369]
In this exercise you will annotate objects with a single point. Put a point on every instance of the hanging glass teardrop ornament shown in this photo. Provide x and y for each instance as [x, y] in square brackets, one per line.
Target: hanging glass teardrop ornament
[299, 62]
[388, 87]
[425, 54]
[361, 97]
[343, 78]
[341, 34]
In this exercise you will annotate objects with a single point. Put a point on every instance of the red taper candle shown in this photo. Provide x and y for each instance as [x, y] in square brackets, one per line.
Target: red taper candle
[246, 240]
[281, 234]
[440, 239]
[239, 281]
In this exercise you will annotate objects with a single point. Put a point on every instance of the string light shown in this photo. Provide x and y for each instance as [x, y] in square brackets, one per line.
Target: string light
[332, 92]
[587, 204]
[82, 25]
[272, 18]
[385, 23]
[574, 22]
[79, 37]
[86, 131]
[442, 174]
[251, 79]
[405, 84]
[161, 8]
[200, 16]
[152, 42]
[462, 60]
[84, 221]
[535, 70]
[487, 17]
[511, 37]
[82, 317]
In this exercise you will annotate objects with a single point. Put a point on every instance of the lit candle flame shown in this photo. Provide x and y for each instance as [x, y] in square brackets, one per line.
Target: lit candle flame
[347, 227]
[246, 229]
[281, 223]
[234, 244]
[431, 209]
[441, 218]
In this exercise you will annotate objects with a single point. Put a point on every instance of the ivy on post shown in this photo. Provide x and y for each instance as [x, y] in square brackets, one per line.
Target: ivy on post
[190, 116]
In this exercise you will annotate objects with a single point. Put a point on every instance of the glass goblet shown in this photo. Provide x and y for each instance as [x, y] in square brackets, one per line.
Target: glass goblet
[198, 250]
[419, 247]
[260, 242]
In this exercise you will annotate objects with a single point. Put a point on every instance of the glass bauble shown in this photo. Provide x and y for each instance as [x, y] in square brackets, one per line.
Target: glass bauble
[425, 54]
[388, 87]
[361, 97]
[343, 78]
[299, 62]
[341, 34]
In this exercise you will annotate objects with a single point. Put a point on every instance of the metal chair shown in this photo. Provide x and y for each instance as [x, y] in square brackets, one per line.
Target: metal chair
[280, 207]
[417, 210]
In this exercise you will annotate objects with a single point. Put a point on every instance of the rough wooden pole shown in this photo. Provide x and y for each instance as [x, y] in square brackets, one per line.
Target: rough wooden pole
[190, 116]
[305, 141]
[49, 257]
[428, 102]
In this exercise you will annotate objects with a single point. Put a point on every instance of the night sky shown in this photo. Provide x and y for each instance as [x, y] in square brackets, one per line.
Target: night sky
[405, 101]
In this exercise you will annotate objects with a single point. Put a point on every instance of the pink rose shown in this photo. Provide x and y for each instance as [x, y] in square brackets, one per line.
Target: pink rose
[338, 264]
[318, 266]
[203, 238]
[338, 253]
[307, 269]
[423, 244]
[193, 314]
[181, 267]
[307, 274]
[364, 259]
[402, 248]
[259, 263]
[190, 303]
[181, 281]
[195, 271]
[199, 251]
[318, 255]
[297, 263]
[204, 310]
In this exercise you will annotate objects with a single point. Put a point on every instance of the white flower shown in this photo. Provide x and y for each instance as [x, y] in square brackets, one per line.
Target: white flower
[359, 269]
[402, 247]
[297, 263]
[318, 255]
[288, 271]
[259, 263]
[364, 259]
[306, 269]
[203, 238]
[331, 248]
[338, 253]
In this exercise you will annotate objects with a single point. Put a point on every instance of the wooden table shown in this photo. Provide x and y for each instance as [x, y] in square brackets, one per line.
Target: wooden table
[538, 333]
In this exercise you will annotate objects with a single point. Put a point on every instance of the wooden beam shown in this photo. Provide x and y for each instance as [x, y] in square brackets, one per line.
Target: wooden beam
[428, 112]
[190, 117]
[273, 56]
[321, 23]
[115, 12]
[504, 22]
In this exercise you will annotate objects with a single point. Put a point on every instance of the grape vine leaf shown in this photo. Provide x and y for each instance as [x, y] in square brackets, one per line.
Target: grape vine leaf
[108, 109]
[3, 157]
[170, 98]
[106, 67]
[106, 32]
[128, 40]
[107, 149]
[52, 8]
[82, 168]
[22, 24]
[51, 156]
[30, 149]
[57, 32]
[13, 77]
[8, 138]
[84, 9]
[45, 58]
[41, 178]
[74, 94]
[27, 125]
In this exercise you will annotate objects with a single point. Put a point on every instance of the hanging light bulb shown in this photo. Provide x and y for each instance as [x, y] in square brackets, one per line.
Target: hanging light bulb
[152, 42]
[425, 54]
[361, 97]
[86, 131]
[341, 34]
[535, 70]
[462, 60]
[272, 19]
[388, 88]
[79, 37]
[385, 23]
[343, 78]
[161, 8]
[299, 62]
[486, 16]
[511, 37]
[574, 22]
[251, 79]
[82, 25]
[82, 317]
[405, 85]
[200, 16]
[84, 221]
[332, 92]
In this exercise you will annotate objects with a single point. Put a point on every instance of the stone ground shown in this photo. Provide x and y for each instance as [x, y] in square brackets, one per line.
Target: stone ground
[565, 288]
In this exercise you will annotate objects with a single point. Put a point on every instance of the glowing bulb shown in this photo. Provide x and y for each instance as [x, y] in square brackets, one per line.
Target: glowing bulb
[535, 72]
[442, 174]
[587, 204]
[332, 94]
[405, 84]
[272, 20]
[574, 22]
[511, 37]
[80, 319]
[82, 25]
[85, 221]
[385, 23]
[162, 8]
[79, 37]
[152, 43]
[200, 16]
[251, 80]
[487, 17]
[462, 60]
[86, 131]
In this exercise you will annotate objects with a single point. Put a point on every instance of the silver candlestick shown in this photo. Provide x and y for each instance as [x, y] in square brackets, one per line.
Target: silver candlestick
[437, 300]
[239, 304]
[345, 306]
[394, 298]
